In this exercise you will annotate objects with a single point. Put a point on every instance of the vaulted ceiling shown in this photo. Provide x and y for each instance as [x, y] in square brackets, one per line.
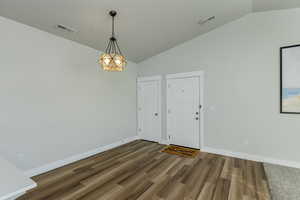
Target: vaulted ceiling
[144, 27]
[264, 5]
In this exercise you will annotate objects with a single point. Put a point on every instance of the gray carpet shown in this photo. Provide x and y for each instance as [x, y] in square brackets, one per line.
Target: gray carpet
[284, 182]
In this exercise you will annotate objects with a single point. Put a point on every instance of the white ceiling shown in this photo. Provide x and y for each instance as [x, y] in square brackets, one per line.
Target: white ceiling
[264, 5]
[144, 27]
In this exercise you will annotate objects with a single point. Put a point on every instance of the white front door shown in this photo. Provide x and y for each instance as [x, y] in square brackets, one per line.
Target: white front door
[183, 111]
[149, 116]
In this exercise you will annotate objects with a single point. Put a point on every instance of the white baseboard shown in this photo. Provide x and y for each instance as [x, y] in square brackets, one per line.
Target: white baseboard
[60, 163]
[252, 157]
[16, 196]
[166, 142]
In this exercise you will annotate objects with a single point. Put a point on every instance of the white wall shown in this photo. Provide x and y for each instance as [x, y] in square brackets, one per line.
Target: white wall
[241, 62]
[54, 102]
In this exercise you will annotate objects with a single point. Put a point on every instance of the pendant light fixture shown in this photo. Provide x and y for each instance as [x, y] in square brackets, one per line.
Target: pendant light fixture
[112, 59]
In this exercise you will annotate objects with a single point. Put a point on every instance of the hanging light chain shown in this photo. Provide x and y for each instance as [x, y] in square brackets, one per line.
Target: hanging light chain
[113, 46]
[113, 26]
[112, 59]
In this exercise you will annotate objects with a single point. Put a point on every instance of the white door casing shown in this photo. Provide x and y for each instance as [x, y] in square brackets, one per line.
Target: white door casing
[184, 109]
[149, 108]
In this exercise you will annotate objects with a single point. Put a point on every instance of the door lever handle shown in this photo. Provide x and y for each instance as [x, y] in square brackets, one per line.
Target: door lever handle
[156, 114]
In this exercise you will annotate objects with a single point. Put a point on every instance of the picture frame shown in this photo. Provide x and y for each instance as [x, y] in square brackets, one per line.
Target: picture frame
[290, 79]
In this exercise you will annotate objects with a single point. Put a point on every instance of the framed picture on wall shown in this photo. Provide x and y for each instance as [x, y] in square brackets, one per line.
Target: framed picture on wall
[290, 79]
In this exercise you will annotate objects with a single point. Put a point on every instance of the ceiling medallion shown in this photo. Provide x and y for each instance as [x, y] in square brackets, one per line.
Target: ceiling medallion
[112, 59]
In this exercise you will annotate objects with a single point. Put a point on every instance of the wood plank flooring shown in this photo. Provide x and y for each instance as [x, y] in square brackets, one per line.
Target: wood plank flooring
[139, 170]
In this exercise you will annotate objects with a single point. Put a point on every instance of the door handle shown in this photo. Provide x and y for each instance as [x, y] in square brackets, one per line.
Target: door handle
[197, 118]
[155, 114]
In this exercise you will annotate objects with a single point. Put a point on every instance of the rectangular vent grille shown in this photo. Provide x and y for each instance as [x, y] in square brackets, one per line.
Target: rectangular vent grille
[64, 28]
[204, 21]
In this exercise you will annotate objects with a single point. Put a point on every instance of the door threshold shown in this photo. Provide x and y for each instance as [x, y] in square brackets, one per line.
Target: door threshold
[185, 146]
[149, 141]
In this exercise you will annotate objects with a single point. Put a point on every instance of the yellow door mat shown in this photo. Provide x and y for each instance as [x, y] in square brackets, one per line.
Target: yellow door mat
[181, 151]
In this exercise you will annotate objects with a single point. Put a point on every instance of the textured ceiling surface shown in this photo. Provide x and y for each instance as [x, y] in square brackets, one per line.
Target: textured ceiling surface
[143, 28]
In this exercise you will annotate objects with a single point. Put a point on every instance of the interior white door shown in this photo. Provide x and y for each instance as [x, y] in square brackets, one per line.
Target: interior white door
[183, 111]
[149, 124]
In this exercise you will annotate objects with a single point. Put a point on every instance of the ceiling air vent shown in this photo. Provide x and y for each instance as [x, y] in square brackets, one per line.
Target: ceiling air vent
[204, 21]
[65, 28]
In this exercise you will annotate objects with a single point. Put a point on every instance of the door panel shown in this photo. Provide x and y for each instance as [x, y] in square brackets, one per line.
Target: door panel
[183, 114]
[149, 126]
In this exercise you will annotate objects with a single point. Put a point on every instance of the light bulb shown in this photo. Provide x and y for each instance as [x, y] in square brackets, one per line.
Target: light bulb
[112, 62]
[106, 61]
[118, 62]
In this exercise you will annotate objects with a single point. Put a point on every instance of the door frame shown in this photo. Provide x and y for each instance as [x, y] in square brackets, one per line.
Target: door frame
[146, 79]
[199, 74]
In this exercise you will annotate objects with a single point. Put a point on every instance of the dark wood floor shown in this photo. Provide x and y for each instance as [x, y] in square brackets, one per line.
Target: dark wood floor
[139, 170]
